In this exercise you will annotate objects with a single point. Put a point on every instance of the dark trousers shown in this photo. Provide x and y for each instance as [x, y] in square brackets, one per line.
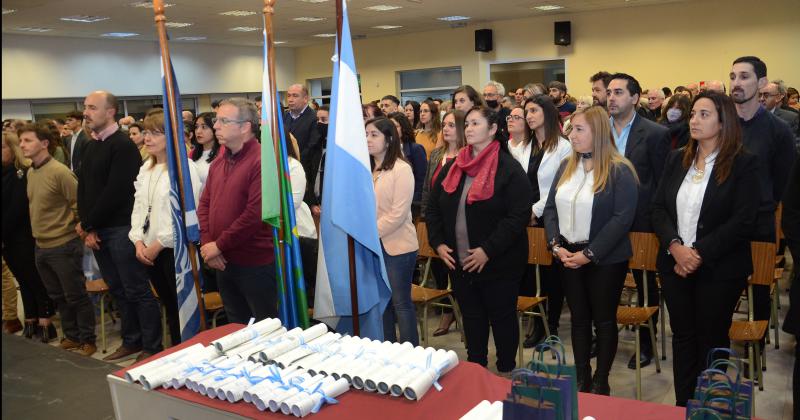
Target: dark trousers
[61, 269]
[309, 252]
[21, 260]
[485, 303]
[551, 287]
[128, 283]
[652, 300]
[700, 312]
[440, 276]
[162, 277]
[593, 293]
[248, 292]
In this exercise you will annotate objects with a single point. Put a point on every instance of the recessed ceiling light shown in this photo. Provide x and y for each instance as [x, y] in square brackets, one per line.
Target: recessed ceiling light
[120, 34]
[148, 4]
[238, 13]
[8, 11]
[387, 27]
[325, 35]
[190, 38]
[313, 1]
[244, 29]
[548, 7]
[382, 8]
[177, 24]
[280, 42]
[29, 29]
[84, 18]
[308, 19]
[453, 18]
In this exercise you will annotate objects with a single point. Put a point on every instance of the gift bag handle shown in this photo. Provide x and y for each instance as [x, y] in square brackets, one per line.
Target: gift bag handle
[540, 350]
[704, 411]
[716, 364]
[554, 339]
[715, 385]
[714, 351]
[536, 366]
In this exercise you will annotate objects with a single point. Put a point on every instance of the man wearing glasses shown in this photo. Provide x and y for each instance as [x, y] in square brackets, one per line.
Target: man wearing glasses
[493, 94]
[233, 238]
[771, 98]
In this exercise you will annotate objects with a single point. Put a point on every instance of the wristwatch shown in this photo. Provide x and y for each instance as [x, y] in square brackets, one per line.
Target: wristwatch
[589, 254]
[678, 240]
[555, 250]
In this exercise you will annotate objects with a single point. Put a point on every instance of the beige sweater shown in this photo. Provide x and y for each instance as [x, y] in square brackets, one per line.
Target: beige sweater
[53, 203]
[394, 190]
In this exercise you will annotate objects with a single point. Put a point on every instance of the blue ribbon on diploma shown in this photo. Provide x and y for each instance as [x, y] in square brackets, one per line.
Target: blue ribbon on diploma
[325, 399]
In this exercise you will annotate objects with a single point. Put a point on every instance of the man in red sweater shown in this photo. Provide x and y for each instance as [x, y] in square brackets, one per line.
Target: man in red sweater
[235, 241]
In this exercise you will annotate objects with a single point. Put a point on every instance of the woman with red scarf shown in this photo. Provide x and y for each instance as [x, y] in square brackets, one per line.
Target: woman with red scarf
[477, 213]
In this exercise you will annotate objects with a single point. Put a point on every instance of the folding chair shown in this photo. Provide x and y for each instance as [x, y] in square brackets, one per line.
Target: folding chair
[538, 254]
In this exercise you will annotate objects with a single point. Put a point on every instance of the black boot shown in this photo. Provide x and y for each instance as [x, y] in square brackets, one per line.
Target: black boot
[537, 336]
[600, 385]
[48, 333]
[584, 378]
[30, 330]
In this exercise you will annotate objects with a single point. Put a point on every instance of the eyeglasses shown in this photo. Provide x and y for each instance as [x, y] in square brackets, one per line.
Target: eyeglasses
[226, 121]
[152, 133]
[767, 94]
[514, 118]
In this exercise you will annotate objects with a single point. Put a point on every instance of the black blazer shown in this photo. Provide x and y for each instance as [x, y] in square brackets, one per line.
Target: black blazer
[613, 211]
[647, 148]
[727, 217]
[80, 143]
[791, 228]
[16, 216]
[498, 225]
[304, 129]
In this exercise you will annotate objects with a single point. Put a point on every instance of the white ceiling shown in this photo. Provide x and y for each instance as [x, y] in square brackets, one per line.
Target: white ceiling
[204, 15]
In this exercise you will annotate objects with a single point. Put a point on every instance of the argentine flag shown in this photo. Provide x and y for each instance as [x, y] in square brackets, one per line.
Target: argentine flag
[348, 208]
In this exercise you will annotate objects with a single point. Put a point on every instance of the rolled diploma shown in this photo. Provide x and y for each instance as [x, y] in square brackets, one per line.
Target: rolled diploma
[188, 358]
[303, 351]
[215, 388]
[303, 407]
[156, 377]
[246, 334]
[234, 391]
[443, 361]
[256, 345]
[279, 342]
[286, 405]
[184, 378]
[194, 381]
[132, 375]
[210, 380]
[295, 342]
[280, 396]
[250, 394]
[273, 396]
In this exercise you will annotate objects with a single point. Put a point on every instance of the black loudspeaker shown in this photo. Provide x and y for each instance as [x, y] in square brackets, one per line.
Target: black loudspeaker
[483, 40]
[563, 33]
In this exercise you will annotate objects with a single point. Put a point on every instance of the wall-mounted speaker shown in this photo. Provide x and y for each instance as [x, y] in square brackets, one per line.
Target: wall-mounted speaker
[483, 40]
[563, 33]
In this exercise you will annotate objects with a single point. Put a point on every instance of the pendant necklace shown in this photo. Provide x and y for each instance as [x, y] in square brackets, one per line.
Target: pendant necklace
[150, 194]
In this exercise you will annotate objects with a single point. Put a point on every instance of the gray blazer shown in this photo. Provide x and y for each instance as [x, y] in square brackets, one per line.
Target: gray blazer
[613, 211]
[791, 118]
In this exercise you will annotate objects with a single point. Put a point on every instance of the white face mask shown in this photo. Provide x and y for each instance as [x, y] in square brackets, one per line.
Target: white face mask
[674, 114]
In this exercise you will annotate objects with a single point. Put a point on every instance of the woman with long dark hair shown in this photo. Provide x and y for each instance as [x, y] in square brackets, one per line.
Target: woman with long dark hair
[394, 191]
[414, 154]
[704, 214]
[676, 118]
[477, 213]
[589, 212]
[411, 109]
[465, 98]
[430, 126]
[207, 146]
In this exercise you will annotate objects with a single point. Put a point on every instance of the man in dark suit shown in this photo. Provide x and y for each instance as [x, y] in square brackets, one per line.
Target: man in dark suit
[301, 119]
[771, 97]
[74, 144]
[791, 229]
[646, 144]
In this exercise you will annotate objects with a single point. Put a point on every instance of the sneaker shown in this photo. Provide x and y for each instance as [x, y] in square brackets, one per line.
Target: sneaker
[87, 349]
[68, 344]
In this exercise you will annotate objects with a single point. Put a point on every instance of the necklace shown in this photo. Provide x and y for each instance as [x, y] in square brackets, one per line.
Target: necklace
[699, 174]
[150, 193]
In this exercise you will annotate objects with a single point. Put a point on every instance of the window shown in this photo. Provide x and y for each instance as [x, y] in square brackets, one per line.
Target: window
[52, 110]
[418, 85]
[320, 90]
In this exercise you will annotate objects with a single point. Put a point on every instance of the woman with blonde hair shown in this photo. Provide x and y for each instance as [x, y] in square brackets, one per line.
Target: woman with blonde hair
[589, 212]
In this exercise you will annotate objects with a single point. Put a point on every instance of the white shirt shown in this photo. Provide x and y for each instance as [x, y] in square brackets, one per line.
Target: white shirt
[305, 223]
[202, 165]
[153, 189]
[689, 201]
[521, 153]
[72, 146]
[574, 199]
[547, 171]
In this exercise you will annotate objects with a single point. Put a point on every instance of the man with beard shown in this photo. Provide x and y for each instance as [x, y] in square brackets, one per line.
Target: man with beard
[770, 139]
[599, 85]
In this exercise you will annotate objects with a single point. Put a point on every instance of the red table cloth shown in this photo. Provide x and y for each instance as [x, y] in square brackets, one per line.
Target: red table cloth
[463, 388]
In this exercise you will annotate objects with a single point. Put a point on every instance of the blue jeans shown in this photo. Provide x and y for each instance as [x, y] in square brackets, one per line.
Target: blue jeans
[248, 292]
[400, 269]
[128, 282]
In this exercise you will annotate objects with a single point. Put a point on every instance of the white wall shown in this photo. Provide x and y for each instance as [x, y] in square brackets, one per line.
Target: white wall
[55, 67]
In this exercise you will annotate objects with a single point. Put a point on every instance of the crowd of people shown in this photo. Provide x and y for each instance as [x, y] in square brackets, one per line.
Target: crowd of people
[702, 168]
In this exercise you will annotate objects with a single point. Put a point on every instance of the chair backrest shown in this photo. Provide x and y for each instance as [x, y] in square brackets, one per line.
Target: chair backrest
[537, 247]
[763, 263]
[778, 229]
[645, 251]
[425, 249]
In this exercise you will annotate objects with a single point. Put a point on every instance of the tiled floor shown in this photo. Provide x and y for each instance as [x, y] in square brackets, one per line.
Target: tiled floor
[775, 402]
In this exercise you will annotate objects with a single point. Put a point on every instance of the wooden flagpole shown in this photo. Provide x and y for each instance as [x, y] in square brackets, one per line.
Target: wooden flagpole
[173, 113]
[351, 248]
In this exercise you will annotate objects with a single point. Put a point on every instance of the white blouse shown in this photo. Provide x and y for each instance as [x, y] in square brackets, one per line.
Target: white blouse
[551, 161]
[521, 153]
[689, 200]
[203, 165]
[574, 199]
[153, 191]
[305, 223]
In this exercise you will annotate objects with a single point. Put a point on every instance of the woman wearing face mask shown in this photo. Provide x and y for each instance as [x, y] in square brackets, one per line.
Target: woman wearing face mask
[676, 118]
[452, 142]
[151, 221]
[207, 147]
[541, 159]
[315, 163]
[704, 214]
[589, 212]
[394, 191]
[477, 213]
[430, 126]
[411, 109]
[414, 154]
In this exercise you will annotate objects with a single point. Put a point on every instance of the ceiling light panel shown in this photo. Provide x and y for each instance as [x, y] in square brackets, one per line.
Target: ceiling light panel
[382, 8]
[325, 35]
[308, 19]
[244, 29]
[148, 4]
[548, 7]
[120, 34]
[33, 29]
[8, 11]
[177, 24]
[190, 38]
[453, 18]
[387, 27]
[313, 1]
[84, 18]
[238, 13]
